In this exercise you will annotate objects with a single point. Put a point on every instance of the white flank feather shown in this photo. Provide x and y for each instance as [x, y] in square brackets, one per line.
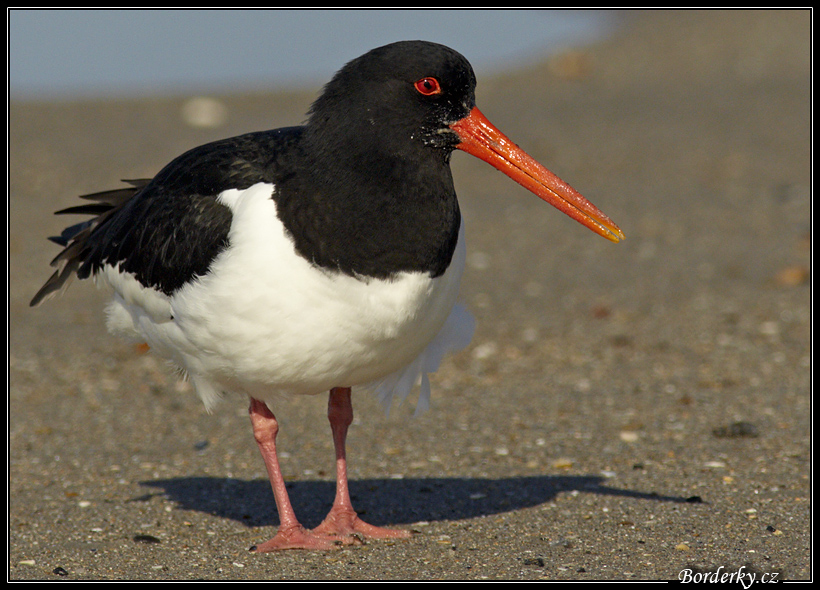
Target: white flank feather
[264, 321]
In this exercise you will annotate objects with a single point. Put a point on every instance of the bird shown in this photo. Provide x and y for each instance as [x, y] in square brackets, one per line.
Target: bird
[309, 259]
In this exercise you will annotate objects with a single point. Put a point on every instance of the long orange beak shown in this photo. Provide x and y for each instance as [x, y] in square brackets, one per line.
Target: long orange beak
[483, 140]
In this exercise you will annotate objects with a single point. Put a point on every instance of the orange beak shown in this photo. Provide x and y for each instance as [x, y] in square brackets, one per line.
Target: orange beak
[483, 140]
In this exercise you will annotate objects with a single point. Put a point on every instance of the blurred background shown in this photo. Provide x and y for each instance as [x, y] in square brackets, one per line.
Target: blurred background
[105, 53]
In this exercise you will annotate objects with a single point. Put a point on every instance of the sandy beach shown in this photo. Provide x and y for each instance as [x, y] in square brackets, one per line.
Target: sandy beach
[633, 411]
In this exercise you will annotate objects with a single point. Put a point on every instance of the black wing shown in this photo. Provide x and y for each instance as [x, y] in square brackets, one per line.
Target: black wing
[167, 230]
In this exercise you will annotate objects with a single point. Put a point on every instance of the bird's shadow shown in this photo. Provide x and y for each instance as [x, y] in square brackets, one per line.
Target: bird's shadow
[383, 501]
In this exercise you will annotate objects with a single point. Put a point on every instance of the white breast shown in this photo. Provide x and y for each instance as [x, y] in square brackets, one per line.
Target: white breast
[264, 321]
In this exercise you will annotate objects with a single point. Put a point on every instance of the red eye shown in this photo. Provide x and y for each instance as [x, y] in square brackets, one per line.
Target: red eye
[428, 86]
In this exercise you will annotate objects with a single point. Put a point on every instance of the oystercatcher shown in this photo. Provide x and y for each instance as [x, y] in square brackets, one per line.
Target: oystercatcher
[311, 258]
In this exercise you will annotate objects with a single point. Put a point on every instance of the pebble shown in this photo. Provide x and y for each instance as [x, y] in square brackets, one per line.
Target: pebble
[485, 350]
[791, 276]
[739, 429]
[204, 112]
[715, 464]
[629, 436]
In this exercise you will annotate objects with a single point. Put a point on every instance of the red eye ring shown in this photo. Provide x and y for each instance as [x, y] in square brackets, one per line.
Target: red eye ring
[428, 86]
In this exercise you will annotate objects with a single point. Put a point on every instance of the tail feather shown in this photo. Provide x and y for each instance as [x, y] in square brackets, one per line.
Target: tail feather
[73, 239]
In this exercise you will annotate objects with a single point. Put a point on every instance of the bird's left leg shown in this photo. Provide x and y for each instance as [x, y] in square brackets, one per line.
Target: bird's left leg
[342, 519]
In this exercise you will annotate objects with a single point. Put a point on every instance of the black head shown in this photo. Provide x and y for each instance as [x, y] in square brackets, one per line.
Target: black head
[404, 93]
[382, 132]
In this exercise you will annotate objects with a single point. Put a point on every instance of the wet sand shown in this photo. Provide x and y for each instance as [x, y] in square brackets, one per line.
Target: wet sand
[625, 411]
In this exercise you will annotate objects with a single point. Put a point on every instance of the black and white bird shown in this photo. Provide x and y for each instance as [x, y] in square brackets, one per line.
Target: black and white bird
[312, 258]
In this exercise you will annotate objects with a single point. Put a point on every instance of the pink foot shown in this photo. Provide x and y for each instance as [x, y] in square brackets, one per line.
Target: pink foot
[341, 523]
[342, 520]
[299, 538]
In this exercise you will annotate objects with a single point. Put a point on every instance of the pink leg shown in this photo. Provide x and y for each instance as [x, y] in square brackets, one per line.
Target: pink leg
[342, 519]
[291, 534]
